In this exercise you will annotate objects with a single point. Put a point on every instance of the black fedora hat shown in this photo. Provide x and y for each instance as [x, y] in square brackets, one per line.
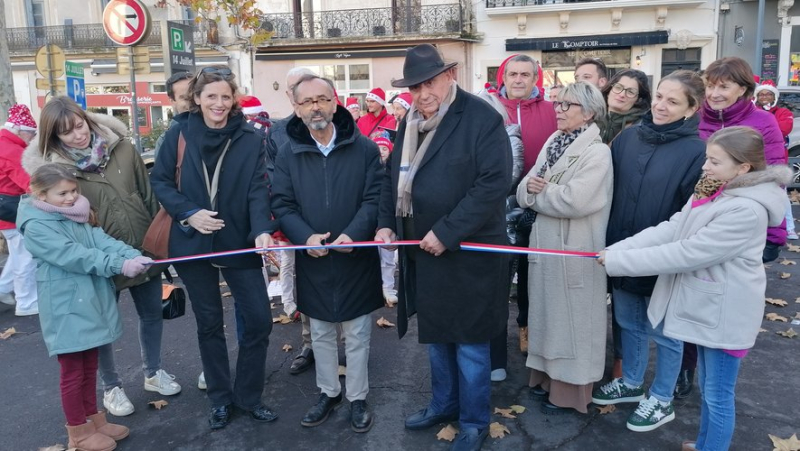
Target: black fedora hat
[423, 62]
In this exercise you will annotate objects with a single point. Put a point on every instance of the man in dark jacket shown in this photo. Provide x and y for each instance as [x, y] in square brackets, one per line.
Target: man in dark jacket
[327, 187]
[448, 180]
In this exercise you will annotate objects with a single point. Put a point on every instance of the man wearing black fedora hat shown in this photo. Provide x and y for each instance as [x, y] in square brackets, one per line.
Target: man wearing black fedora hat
[449, 175]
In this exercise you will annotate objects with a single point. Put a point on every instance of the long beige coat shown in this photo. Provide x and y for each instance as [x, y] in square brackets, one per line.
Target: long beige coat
[567, 311]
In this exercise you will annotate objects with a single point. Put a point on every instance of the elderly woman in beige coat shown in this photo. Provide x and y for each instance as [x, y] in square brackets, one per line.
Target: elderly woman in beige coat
[570, 188]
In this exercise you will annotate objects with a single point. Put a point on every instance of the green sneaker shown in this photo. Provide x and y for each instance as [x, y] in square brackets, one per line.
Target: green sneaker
[616, 392]
[650, 414]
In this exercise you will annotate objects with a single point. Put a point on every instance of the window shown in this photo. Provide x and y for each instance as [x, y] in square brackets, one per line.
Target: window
[675, 59]
[98, 110]
[116, 89]
[94, 89]
[350, 80]
[35, 13]
[158, 87]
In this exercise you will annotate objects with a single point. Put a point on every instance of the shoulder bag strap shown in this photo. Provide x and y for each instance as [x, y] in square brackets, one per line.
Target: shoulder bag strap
[181, 151]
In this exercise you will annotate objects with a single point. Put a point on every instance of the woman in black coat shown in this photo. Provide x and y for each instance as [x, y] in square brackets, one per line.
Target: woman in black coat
[222, 204]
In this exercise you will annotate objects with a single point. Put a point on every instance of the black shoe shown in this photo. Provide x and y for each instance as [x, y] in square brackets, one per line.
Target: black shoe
[321, 410]
[537, 393]
[470, 440]
[549, 408]
[685, 384]
[302, 362]
[426, 418]
[220, 417]
[360, 416]
[263, 414]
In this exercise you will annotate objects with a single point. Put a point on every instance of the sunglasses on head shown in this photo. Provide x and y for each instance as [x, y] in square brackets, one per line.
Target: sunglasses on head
[223, 72]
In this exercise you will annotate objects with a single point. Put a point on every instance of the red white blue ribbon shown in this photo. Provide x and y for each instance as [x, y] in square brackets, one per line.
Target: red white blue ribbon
[476, 247]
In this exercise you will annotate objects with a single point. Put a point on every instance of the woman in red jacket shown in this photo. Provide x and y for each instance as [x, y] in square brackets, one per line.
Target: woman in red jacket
[19, 272]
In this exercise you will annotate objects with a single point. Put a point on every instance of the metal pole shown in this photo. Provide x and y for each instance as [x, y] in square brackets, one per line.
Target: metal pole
[50, 78]
[135, 113]
[759, 37]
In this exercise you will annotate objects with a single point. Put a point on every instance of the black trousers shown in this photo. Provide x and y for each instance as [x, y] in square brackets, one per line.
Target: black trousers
[250, 295]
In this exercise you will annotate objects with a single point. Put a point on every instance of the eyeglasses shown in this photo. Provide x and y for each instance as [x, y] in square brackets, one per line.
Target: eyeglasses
[321, 102]
[223, 72]
[564, 105]
[630, 93]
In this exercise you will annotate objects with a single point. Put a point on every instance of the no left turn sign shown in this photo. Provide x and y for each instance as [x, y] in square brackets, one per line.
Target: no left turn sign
[126, 22]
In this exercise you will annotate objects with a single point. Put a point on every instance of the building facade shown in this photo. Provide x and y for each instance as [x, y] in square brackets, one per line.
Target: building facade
[654, 36]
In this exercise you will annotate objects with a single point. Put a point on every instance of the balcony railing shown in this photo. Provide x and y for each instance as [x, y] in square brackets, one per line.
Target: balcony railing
[508, 3]
[84, 36]
[429, 20]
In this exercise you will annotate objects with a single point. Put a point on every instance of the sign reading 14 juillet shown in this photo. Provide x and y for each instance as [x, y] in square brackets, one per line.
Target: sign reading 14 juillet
[180, 42]
[76, 87]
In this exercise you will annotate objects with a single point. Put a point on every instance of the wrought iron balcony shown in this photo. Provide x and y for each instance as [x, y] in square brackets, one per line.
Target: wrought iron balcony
[83, 37]
[431, 20]
[509, 3]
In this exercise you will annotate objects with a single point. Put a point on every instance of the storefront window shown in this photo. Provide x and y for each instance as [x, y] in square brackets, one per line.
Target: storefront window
[359, 76]
[559, 67]
[116, 89]
[158, 87]
[351, 80]
[94, 89]
[794, 75]
[97, 110]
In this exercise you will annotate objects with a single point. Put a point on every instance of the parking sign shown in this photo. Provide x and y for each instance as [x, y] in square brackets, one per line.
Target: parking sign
[76, 87]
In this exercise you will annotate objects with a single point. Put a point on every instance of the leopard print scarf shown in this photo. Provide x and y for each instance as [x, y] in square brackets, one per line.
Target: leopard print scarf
[707, 187]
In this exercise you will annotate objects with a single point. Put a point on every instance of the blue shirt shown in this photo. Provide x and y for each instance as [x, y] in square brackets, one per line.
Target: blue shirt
[331, 144]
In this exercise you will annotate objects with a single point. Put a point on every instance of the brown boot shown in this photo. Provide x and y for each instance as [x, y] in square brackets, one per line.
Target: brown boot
[86, 438]
[115, 431]
[523, 339]
[616, 371]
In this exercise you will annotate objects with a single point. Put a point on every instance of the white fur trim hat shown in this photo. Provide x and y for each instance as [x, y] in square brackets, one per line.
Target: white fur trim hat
[377, 95]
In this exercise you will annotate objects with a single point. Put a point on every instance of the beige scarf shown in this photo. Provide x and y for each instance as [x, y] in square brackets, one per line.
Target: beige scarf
[413, 152]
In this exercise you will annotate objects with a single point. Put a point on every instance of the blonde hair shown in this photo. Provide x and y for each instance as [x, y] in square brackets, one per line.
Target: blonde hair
[743, 144]
[49, 175]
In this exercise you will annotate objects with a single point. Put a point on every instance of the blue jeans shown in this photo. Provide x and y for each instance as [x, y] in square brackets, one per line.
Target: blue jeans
[636, 331]
[717, 372]
[461, 382]
[147, 300]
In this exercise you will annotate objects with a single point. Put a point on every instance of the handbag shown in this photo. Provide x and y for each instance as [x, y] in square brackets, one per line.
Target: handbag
[8, 207]
[156, 240]
[173, 298]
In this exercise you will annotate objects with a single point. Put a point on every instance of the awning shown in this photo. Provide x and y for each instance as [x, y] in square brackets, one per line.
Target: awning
[109, 65]
[588, 42]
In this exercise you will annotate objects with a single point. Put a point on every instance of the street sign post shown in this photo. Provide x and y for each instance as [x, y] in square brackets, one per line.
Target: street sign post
[76, 87]
[50, 63]
[127, 22]
[178, 38]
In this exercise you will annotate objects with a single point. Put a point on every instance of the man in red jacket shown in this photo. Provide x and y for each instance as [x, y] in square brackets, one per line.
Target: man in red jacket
[19, 272]
[517, 88]
[370, 124]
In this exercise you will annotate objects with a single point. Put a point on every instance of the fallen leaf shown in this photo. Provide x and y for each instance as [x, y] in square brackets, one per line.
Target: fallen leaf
[787, 262]
[767, 266]
[286, 348]
[778, 302]
[796, 315]
[606, 409]
[762, 330]
[785, 275]
[505, 413]
[342, 370]
[223, 284]
[158, 404]
[383, 322]
[785, 444]
[283, 319]
[58, 447]
[497, 430]
[8, 332]
[792, 248]
[776, 317]
[447, 433]
[794, 195]
[520, 409]
[788, 333]
[797, 301]
[227, 294]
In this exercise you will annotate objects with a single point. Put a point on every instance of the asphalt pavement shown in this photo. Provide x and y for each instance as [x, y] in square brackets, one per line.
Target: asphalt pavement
[767, 402]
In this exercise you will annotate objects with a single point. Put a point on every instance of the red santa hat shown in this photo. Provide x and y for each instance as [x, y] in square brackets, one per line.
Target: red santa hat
[769, 85]
[19, 116]
[383, 141]
[352, 103]
[404, 99]
[377, 95]
[250, 105]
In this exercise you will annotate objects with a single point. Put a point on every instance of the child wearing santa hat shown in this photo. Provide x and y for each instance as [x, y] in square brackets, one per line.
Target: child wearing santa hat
[351, 103]
[388, 258]
[19, 272]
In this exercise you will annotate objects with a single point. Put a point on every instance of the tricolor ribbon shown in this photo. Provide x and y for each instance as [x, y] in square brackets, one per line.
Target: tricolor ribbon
[476, 247]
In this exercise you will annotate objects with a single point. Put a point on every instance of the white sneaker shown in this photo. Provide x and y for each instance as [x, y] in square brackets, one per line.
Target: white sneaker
[201, 381]
[391, 298]
[289, 308]
[32, 310]
[162, 383]
[117, 403]
[792, 236]
[7, 298]
[499, 375]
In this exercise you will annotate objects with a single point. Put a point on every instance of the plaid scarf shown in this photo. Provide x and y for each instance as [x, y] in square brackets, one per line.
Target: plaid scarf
[413, 152]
